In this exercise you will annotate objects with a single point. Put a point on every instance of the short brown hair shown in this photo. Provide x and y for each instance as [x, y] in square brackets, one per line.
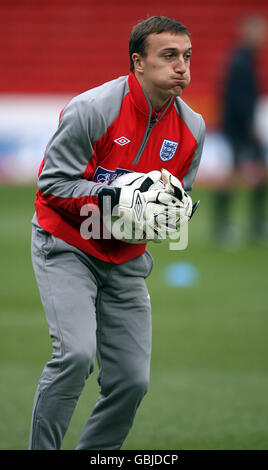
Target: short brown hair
[154, 24]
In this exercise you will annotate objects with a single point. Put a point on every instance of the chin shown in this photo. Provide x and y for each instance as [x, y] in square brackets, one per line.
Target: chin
[176, 91]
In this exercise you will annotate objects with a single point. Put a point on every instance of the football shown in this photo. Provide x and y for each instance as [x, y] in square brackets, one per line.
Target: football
[127, 178]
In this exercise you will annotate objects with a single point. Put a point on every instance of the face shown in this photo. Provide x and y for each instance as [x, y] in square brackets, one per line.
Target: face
[165, 71]
[254, 33]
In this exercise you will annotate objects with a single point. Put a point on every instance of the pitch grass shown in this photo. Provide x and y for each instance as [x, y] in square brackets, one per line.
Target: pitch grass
[209, 381]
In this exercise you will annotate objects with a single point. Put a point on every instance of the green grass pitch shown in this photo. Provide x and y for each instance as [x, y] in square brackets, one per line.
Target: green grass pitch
[209, 381]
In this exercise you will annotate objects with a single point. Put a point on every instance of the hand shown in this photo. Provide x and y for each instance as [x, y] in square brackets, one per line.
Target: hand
[182, 200]
[149, 208]
[131, 205]
[136, 197]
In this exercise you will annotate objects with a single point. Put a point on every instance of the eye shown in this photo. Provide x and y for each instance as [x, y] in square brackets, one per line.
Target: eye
[169, 56]
[187, 57]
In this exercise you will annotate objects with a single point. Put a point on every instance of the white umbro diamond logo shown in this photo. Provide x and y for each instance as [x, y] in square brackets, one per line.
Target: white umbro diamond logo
[138, 207]
[122, 140]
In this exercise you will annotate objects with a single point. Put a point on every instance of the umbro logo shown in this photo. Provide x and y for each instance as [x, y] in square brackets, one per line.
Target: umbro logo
[138, 207]
[122, 140]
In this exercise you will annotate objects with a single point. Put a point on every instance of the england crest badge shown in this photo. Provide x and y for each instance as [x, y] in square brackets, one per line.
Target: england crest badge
[168, 149]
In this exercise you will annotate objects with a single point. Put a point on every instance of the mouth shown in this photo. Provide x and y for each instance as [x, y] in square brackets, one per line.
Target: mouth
[179, 81]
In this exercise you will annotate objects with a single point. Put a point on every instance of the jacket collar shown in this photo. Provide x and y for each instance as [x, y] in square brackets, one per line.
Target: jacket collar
[142, 102]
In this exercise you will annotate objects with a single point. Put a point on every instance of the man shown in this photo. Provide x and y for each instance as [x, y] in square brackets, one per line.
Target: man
[93, 290]
[240, 98]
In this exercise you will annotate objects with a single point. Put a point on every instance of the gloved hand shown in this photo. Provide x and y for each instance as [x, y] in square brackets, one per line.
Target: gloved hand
[182, 201]
[149, 212]
[135, 205]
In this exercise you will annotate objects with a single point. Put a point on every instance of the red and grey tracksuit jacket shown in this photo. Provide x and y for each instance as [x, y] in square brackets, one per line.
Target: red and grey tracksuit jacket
[105, 132]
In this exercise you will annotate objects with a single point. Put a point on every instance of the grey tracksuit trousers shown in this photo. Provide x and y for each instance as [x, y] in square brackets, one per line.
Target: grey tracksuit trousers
[92, 308]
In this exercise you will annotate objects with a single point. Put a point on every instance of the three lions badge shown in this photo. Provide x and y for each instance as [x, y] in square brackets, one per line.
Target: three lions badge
[168, 149]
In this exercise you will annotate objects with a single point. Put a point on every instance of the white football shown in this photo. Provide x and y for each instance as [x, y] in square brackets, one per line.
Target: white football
[123, 180]
[127, 178]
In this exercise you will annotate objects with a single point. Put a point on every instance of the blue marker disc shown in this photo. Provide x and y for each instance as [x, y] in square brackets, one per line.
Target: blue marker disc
[181, 275]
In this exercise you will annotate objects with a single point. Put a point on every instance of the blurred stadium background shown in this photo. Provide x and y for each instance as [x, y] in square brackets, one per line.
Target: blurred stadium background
[209, 382]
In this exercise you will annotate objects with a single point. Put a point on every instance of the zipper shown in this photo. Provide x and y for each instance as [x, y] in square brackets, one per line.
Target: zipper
[148, 131]
[144, 140]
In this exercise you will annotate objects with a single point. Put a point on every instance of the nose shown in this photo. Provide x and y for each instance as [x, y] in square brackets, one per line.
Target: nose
[180, 66]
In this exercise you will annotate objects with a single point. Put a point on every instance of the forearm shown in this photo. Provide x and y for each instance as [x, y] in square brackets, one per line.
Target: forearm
[67, 194]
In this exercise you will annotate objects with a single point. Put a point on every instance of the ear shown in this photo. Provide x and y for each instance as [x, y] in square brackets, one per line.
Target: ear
[138, 62]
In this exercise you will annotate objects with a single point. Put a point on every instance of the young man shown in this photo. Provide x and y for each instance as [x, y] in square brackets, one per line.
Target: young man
[93, 290]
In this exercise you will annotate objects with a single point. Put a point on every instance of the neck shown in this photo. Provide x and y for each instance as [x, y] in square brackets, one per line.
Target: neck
[156, 99]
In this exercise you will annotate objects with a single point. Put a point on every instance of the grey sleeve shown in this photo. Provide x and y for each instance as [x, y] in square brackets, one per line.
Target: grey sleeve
[189, 178]
[69, 151]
